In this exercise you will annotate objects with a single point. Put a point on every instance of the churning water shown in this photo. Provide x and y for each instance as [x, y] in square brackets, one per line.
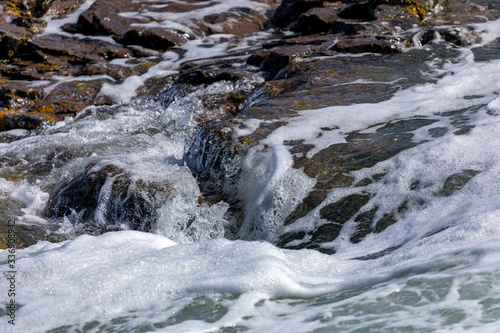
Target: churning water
[436, 269]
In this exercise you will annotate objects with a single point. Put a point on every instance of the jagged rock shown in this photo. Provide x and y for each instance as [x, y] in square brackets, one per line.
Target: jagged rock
[211, 74]
[20, 120]
[153, 38]
[103, 17]
[399, 17]
[117, 72]
[238, 21]
[362, 45]
[35, 25]
[13, 40]
[38, 8]
[363, 10]
[68, 99]
[58, 7]
[460, 36]
[127, 202]
[39, 68]
[316, 20]
[290, 10]
[278, 58]
[13, 91]
[80, 49]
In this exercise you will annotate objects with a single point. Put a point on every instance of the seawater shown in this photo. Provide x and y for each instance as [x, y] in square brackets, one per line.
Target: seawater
[437, 269]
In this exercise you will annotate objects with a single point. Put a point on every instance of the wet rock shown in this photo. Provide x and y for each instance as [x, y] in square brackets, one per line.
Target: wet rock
[290, 10]
[13, 40]
[279, 58]
[395, 18]
[212, 74]
[215, 160]
[363, 10]
[13, 135]
[153, 38]
[38, 8]
[80, 49]
[41, 67]
[117, 72]
[21, 120]
[59, 7]
[456, 181]
[316, 20]
[344, 209]
[35, 25]
[107, 198]
[238, 21]
[155, 86]
[103, 17]
[19, 236]
[362, 45]
[18, 95]
[460, 36]
[68, 99]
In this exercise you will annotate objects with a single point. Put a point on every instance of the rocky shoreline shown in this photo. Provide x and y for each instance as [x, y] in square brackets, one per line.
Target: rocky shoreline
[48, 77]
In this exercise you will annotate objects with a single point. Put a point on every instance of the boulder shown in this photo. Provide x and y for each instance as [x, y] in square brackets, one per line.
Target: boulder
[106, 197]
[153, 38]
[79, 49]
[290, 10]
[68, 99]
[237, 21]
[14, 40]
[103, 17]
[362, 45]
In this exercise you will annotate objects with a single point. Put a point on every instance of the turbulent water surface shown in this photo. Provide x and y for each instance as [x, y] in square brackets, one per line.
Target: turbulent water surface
[436, 269]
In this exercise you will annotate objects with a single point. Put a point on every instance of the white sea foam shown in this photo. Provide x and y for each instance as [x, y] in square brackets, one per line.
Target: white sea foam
[127, 279]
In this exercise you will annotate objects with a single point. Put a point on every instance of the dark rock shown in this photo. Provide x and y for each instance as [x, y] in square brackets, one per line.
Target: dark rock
[117, 72]
[398, 16]
[103, 17]
[290, 10]
[21, 120]
[38, 8]
[362, 45]
[460, 36]
[156, 85]
[316, 20]
[68, 99]
[363, 10]
[257, 57]
[128, 202]
[35, 25]
[211, 74]
[40, 68]
[456, 181]
[363, 225]
[12, 91]
[153, 38]
[59, 7]
[344, 209]
[238, 21]
[13, 40]
[281, 57]
[80, 49]
[348, 27]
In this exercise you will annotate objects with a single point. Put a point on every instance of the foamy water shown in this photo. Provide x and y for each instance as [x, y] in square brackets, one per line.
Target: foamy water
[441, 274]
